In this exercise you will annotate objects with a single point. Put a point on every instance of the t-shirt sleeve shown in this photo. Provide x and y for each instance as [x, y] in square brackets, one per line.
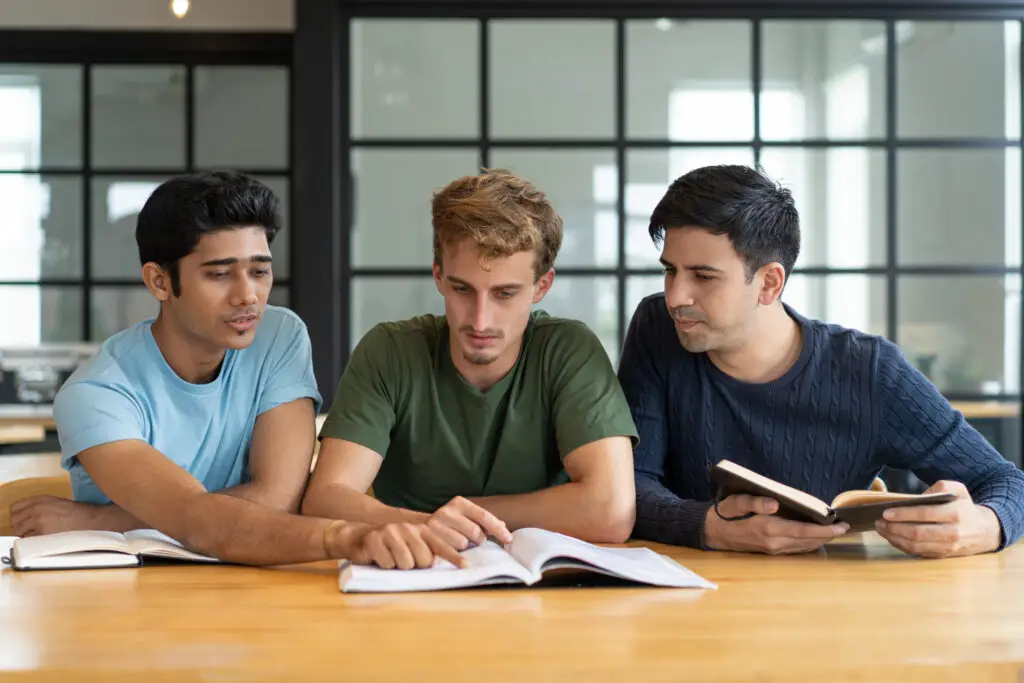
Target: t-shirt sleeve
[587, 400]
[91, 413]
[291, 376]
[363, 410]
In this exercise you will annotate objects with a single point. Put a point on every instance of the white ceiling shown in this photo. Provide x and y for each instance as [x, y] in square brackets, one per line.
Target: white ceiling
[242, 15]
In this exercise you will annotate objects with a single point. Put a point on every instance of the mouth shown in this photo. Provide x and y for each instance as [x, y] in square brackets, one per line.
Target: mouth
[683, 325]
[243, 323]
[480, 341]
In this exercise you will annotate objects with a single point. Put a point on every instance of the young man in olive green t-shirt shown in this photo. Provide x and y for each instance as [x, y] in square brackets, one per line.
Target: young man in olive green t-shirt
[493, 416]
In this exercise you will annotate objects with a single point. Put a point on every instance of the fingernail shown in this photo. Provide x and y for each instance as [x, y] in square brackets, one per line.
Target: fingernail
[889, 514]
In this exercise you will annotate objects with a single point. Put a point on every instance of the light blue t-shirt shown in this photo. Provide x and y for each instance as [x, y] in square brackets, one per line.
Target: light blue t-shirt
[128, 391]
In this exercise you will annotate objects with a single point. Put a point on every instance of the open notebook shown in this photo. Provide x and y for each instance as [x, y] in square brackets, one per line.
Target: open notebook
[96, 550]
[531, 553]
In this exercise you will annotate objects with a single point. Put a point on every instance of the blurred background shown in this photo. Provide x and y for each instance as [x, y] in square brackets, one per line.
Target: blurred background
[899, 133]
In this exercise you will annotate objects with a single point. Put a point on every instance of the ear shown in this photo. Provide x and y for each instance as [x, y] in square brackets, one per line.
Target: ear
[436, 270]
[773, 279]
[158, 281]
[542, 285]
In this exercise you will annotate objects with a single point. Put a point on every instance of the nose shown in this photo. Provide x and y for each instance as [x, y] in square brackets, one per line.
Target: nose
[678, 293]
[246, 293]
[481, 313]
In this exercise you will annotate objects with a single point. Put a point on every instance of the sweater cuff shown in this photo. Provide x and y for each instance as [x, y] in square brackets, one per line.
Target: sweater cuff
[681, 523]
[1008, 533]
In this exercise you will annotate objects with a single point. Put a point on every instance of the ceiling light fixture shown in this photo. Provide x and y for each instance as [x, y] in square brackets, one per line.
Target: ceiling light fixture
[179, 8]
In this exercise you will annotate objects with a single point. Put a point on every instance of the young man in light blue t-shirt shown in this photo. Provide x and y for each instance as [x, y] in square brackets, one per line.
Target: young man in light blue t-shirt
[200, 423]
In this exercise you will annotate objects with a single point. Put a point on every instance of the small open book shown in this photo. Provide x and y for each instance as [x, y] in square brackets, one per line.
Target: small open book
[531, 553]
[96, 550]
[859, 509]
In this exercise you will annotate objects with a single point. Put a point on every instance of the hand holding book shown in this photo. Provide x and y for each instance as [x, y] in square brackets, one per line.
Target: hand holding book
[764, 532]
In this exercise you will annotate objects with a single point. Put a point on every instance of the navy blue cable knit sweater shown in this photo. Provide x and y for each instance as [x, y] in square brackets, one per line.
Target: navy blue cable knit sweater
[850, 405]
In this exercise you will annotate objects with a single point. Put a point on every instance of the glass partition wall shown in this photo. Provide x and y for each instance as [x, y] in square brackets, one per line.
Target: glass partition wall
[90, 124]
[899, 134]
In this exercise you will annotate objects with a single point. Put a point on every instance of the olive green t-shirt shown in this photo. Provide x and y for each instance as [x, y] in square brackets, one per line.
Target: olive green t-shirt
[440, 437]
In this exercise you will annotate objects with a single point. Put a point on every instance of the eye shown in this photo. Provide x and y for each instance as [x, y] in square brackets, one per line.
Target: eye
[460, 289]
[506, 294]
[704, 277]
[261, 272]
[218, 274]
[668, 271]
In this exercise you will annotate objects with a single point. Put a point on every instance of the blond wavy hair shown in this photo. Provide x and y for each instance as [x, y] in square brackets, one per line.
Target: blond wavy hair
[501, 214]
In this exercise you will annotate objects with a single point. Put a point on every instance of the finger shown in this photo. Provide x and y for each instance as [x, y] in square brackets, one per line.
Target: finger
[787, 528]
[422, 555]
[742, 503]
[23, 504]
[450, 535]
[490, 524]
[945, 513]
[396, 544]
[948, 486]
[443, 549]
[460, 525]
[914, 533]
[378, 550]
[20, 522]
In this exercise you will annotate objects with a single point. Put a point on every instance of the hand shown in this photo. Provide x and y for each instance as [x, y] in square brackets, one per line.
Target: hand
[763, 533]
[39, 515]
[461, 523]
[403, 545]
[949, 530]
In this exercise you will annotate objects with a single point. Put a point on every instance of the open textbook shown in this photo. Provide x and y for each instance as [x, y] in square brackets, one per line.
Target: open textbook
[96, 550]
[859, 509]
[531, 553]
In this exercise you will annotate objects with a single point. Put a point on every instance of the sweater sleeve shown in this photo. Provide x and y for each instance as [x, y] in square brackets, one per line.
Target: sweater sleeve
[661, 515]
[922, 432]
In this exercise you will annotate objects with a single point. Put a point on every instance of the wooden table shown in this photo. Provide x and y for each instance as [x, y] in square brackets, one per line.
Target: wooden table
[853, 611]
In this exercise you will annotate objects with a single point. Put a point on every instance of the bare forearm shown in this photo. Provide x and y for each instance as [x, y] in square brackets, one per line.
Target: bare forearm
[342, 502]
[236, 530]
[570, 509]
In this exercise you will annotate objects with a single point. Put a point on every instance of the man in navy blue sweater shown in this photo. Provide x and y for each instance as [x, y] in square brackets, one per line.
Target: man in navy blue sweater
[718, 367]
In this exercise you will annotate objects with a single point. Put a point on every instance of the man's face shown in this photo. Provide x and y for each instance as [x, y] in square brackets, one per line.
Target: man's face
[225, 283]
[706, 290]
[488, 303]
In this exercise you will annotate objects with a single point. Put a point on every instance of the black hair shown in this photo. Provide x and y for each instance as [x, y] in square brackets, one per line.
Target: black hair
[186, 207]
[757, 214]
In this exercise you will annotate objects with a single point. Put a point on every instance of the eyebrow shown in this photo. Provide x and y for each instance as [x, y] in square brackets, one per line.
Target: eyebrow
[703, 268]
[457, 281]
[259, 258]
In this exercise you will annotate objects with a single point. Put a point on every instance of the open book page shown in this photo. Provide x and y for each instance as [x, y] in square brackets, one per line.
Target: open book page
[152, 543]
[69, 549]
[851, 498]
[488, 564]
[539, 550]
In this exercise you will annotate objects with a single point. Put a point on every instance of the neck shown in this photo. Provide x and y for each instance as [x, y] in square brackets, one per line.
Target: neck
[773, 346]
[193, 361]
[482, 377]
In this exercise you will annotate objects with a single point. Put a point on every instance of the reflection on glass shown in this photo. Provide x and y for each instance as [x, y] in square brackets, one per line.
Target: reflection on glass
[40, 116]
[689, 80]
[281, 248]
[592, 300]
[959, 206]
[552, 79]
[118, 308]
[382, 299]
[583, 188]
[840, 194]
[241, 116]
[41, 227]
[393, 191]
[138, 116]
[823, 79]
[648, 175]
[413, 79]
[962, 331]
[854, 301]
[116, 202]
[958, 79]
[31, 315]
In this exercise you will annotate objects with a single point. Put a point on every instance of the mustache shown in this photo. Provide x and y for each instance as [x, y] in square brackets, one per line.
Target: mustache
[683, 313]
[497, 334]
